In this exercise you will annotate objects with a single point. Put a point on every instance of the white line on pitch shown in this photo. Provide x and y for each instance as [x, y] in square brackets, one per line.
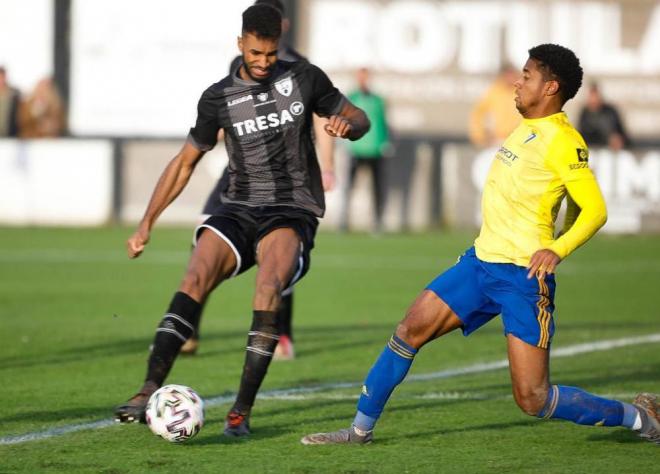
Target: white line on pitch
[321, 260]
[567, 351]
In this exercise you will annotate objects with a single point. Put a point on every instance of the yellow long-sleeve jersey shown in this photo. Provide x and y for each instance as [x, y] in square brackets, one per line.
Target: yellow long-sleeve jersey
[541, 162]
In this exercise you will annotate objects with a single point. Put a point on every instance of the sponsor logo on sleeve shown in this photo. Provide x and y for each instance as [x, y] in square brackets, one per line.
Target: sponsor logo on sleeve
[583, 159]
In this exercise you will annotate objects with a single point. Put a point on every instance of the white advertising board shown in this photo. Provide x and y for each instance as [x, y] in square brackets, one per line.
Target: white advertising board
[139, 68]
[55, 182]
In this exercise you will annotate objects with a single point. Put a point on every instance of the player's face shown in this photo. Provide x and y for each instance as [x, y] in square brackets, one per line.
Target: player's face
[259, 55]
[532, 89]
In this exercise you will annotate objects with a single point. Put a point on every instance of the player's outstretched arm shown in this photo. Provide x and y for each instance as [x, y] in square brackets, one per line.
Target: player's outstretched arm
[171, 182]
[351, 123]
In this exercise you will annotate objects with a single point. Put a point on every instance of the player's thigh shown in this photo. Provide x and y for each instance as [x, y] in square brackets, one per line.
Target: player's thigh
[278, 253]
[427, 318]
[527, 305]
[211, 262]
[529, 367]
[463, 288]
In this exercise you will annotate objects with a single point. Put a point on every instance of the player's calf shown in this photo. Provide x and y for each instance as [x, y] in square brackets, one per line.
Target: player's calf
[174, 329]
[261, 343]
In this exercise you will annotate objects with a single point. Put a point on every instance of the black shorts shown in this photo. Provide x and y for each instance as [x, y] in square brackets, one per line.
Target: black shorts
[242, 227]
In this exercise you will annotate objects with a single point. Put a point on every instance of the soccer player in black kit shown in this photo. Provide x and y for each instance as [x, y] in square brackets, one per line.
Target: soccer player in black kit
[325, 146]
[270, 210]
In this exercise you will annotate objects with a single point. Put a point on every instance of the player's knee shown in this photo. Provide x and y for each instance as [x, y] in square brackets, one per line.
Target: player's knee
[410, 334]
[531, 400]
[267, 294]
[196, 283]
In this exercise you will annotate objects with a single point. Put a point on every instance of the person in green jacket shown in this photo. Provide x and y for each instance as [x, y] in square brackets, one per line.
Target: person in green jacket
[368, 151]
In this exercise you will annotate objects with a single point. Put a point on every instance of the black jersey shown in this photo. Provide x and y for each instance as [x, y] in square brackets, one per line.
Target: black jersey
[268, 136]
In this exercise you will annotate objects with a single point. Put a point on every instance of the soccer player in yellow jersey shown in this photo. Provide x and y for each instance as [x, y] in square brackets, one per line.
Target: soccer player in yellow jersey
[509, 271]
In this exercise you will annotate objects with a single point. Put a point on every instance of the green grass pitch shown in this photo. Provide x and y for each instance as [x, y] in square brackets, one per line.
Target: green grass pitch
[77, 317]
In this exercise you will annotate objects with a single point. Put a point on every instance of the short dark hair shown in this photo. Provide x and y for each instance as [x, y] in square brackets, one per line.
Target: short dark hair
[559, 64]
[276, 4]
[263, 21]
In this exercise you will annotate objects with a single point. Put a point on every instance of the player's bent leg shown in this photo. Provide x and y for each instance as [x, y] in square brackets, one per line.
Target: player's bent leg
[209, 264]
[277, 256]
[277, 259]
[428, 317]
[529, 367]
[535, 396]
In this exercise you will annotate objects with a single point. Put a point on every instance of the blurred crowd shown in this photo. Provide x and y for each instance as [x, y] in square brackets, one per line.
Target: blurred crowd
[38, 114]
[494, 116]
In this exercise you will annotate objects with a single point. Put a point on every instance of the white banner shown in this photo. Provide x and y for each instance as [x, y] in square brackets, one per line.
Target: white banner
[139, 67]
[55, 182]
[433, 59]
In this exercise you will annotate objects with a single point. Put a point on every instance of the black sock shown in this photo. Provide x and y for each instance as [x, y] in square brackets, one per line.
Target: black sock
[261, 343]
[284, 316]
[176, 326]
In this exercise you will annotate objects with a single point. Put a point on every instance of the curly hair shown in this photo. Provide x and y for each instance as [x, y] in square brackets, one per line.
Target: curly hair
[263, 21]
[276, 4]
[559, 64]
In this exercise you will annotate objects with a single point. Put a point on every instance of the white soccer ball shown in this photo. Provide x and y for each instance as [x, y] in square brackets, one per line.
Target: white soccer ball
[175, 413]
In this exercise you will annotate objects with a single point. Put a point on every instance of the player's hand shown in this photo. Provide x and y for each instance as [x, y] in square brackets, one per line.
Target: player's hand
[338, 127]
[328, 179]
[136, 242]
[543, 261]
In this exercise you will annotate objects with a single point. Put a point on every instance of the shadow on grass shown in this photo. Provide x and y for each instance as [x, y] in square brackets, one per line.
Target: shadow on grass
[89, 414]
[234, 340]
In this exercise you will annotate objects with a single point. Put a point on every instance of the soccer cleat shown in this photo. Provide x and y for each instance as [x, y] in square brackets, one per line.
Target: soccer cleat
[190, 346]
[133, 411]
[649, 411]
[345, 436]
[284, 349]
[237, 425]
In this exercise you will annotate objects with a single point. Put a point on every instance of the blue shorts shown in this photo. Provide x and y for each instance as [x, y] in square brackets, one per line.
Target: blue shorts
[477, 291]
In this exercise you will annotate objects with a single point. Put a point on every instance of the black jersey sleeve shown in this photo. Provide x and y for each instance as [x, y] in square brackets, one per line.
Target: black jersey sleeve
[204, 135]
[327, 100]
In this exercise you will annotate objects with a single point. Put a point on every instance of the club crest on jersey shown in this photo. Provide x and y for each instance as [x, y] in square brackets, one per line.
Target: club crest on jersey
[263, 96]
[284, 87]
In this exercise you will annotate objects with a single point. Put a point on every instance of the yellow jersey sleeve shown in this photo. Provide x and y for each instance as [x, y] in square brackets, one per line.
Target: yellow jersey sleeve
[586, 210]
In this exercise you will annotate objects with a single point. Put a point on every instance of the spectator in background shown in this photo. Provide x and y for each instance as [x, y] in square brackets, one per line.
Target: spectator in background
[495, 116]
[368, 152]
[42, 112]
[600, 123]
[9, 103]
